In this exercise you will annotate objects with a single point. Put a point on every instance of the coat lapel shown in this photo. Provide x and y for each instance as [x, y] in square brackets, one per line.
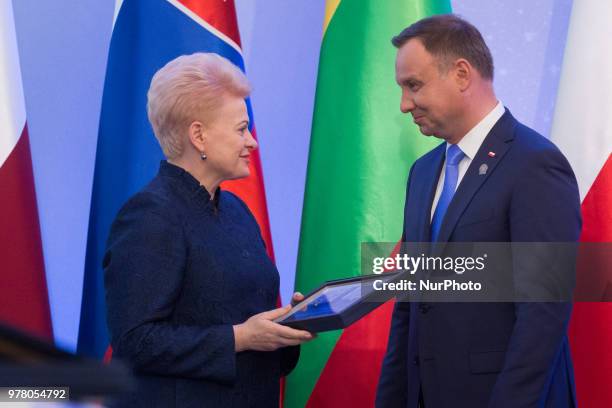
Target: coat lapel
[496, 141]
[426, 183]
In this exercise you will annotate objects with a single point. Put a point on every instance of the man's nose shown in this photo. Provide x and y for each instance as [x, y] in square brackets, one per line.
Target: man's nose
[406, 103]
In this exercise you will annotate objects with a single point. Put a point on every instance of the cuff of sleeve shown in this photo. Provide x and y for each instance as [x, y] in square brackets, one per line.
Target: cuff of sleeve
[223, 363]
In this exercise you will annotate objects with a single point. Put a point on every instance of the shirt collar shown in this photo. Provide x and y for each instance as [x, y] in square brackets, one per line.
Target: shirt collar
[470, 143]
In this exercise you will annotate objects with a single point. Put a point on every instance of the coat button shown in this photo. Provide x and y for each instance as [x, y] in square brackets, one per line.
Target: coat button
[416, 360]
[424, 307]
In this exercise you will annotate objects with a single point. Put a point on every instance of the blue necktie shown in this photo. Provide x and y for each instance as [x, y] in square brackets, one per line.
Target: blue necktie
[451, 174]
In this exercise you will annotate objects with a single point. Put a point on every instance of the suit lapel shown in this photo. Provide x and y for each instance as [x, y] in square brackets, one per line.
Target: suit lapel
[426, 183]
[496, 141]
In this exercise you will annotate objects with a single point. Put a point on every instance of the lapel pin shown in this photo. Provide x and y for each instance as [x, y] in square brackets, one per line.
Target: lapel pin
[491, 154]
[482, 170]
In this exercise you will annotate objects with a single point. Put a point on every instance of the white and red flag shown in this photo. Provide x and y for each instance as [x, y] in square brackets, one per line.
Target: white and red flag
[583, 131]
[23, 289]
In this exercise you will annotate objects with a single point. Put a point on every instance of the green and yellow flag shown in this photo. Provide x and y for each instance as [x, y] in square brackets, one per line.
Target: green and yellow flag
[361, 149]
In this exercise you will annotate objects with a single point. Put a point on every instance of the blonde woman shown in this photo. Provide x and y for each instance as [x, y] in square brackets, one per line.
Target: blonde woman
[190, 290]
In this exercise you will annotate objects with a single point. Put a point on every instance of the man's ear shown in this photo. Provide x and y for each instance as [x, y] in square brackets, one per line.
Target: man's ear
[197, 135]
[463, 72]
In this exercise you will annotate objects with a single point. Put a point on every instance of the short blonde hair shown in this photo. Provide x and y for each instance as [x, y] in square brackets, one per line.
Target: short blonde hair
[187, 88]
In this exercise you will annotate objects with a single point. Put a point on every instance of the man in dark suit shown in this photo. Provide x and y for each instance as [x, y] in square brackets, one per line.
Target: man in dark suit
[492, 180]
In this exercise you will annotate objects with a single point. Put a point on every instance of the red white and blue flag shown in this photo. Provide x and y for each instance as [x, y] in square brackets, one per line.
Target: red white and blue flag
[23, 288]
[582, 128]
[146, 35]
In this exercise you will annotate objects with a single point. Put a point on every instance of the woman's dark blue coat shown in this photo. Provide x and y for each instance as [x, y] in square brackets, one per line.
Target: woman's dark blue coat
[179, 271]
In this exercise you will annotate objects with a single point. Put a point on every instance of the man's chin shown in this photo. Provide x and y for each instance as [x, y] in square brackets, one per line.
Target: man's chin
[425, 131]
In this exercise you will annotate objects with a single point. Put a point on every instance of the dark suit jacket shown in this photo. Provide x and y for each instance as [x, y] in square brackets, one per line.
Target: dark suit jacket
[180, 270]
[487, 354]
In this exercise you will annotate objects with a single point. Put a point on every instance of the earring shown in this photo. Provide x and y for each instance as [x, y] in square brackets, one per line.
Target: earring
[202, 156]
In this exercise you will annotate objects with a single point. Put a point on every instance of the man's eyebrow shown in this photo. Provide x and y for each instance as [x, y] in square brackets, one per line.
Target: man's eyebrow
[410, 79]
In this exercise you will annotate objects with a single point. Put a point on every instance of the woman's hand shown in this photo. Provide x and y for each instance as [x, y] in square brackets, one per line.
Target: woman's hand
[260, 333]
[296, 298]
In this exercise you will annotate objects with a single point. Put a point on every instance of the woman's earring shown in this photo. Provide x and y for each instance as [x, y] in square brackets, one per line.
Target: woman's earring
[202, 156]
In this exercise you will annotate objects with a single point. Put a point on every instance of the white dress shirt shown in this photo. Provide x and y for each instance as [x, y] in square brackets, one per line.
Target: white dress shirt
[469, 145]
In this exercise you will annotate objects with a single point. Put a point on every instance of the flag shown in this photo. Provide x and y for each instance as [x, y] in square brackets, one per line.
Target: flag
[582, 128]
[360, 152]
[23, 287]
[147, 35]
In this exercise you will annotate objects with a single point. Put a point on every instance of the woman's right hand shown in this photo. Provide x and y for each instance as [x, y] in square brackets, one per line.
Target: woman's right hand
[260, 333]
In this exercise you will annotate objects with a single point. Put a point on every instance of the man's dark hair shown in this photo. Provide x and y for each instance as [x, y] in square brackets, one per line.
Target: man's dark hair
[448, 37]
